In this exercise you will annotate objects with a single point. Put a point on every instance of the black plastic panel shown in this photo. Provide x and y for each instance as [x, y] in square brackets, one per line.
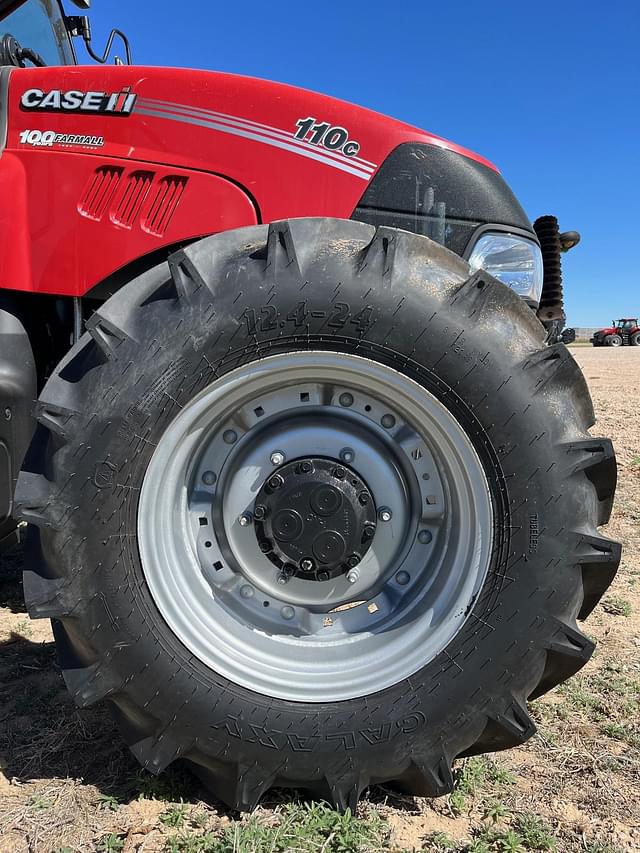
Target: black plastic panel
[440, 194]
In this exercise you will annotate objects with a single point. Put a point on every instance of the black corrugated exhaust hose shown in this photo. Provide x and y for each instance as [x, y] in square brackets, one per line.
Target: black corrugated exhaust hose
[551, 301]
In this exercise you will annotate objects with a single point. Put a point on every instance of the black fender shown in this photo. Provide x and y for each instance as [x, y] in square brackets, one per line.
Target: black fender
[18, 392]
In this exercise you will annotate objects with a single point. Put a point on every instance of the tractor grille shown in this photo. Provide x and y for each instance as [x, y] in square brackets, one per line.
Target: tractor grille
[131, 200]
[99, 192]
[165, 201]
[137, 198]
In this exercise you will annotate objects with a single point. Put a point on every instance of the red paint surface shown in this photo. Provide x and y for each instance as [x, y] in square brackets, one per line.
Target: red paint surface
[48, 243]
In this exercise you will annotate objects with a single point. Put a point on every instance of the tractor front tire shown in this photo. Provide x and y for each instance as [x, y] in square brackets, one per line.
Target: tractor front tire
[313, 506]
[635, 339]
[613, 341]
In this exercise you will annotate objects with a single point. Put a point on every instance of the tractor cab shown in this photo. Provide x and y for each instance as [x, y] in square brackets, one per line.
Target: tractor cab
[39, 33]
[626, 324]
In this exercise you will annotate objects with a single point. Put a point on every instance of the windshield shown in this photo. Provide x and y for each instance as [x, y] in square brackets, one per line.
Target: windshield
[39, 25]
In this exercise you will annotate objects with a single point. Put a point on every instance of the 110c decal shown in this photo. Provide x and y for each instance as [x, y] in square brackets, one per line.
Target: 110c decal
[322, 133]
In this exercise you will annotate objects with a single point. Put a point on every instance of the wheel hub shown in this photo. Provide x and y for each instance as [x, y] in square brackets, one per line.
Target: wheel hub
[315, 518]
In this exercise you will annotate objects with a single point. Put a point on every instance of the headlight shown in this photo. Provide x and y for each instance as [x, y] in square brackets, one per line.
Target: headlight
[515, 261]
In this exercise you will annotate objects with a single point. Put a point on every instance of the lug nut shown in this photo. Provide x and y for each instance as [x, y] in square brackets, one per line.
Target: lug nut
[425, 536]
[347, 454]
[209, 478]
[245, 519]
[403, 578]
[363, 498]
[369, 532]
[282, 579]
[277, 457]
[323, 576]
[306, 565]
[276, 482]
[353, 560]
[305, 468]
[339, 473]
[265, 547]
[259, 512]
[385, 514]
[353, 575]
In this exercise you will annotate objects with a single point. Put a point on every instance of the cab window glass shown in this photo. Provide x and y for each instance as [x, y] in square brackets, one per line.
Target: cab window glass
[39, 24]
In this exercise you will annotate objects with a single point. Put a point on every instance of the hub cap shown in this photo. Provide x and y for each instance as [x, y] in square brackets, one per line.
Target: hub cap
[315, 526]
[315, 518]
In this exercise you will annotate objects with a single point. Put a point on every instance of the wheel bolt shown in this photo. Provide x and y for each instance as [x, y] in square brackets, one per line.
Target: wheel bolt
[323, 576]
[403, 578]
[353, 575]
[385, 514]
[346, 399]
[306, 565]
[229, 436]
[265, 547]
[339, 473]
[209, 478]
[305, 468]
[282, 579]
[425, 536]
[277, 457]
[369, 532]
[245, 519]
[363, 497]
[276, 482]
[353, 560]
[287, 612]
[347, 454]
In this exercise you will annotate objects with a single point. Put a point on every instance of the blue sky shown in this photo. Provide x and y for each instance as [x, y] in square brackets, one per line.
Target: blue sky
[549, 91]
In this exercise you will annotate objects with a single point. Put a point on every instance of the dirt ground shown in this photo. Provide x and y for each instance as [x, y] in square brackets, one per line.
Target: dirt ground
[67, 784]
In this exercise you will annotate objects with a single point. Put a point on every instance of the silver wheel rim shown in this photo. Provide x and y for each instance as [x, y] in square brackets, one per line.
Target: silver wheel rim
[306, 640]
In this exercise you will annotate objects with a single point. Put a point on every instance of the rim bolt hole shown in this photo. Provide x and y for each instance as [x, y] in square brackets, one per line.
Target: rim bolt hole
[207, 544]
[388, 421]
[425, 536]
[403, 578]
[209, 478]
[229, 436]
[346, 400]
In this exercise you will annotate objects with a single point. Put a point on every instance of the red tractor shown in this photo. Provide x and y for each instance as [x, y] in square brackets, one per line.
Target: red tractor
[308, 486]
[621, 333]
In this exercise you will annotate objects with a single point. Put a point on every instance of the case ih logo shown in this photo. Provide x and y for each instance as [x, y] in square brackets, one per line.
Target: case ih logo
[104, 103]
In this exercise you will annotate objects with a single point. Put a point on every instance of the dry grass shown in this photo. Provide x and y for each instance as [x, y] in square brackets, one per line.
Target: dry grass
[67, 783]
